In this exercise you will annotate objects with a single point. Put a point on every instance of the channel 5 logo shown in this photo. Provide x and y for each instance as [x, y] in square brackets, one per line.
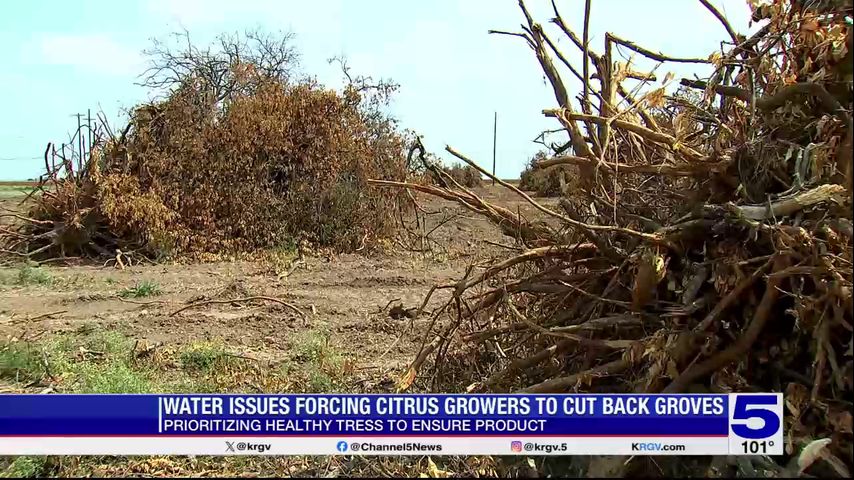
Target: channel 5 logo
[756, 423]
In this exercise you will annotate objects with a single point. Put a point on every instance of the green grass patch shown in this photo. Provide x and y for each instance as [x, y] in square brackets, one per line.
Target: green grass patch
[14, 191]
[99, 362]
[312, 346]
[90, 363]
[316, 362]
[26, 467]
[94, 361]
[281, 257]
[21, 362]
[320, 380]
[287, 248]
[144, 288]
[91, 360]
[202, 356]
[208, 367]
[33, 275]
[113, 377]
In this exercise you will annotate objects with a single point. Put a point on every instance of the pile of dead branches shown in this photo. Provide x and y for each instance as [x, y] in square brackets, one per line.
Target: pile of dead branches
[235, 156]
[706, 247]
[547, 182]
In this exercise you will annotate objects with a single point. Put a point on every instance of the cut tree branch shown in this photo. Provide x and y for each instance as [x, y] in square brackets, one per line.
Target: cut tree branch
[585, 102]
[657, 56]
[654, 136]
[789, 205]
[688, 170]
[723, 20]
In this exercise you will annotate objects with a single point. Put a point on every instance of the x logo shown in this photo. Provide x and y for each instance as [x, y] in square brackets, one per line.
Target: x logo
[229, 446]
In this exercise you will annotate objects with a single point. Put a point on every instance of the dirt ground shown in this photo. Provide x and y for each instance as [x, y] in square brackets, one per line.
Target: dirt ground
[348, 295]
[72, 329]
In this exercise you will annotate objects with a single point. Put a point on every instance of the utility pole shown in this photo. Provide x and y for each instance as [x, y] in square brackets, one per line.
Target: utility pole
[79, 142]
[89, 127]
[494, 145]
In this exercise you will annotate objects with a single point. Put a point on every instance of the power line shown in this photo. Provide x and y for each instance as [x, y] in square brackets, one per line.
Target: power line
[13, 159]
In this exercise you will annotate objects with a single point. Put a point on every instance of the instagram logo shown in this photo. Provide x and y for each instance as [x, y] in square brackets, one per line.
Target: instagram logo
[516, 446]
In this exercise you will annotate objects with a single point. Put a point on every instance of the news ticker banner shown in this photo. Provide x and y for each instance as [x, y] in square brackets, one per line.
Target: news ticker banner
[734, 424]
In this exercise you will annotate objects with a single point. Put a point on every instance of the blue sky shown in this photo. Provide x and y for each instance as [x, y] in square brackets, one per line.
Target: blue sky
[63, 57]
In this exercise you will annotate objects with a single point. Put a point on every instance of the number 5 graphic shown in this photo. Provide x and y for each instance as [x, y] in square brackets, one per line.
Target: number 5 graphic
[742, 412]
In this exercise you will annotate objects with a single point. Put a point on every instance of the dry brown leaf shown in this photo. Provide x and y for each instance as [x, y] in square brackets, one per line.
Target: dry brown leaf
[683, 125]
[655, 98]
[406, 380]
[672, 371]
[651, 270]
[842, 419]
[716, 59]
[433, 471]
[796, 398]
[810, 25]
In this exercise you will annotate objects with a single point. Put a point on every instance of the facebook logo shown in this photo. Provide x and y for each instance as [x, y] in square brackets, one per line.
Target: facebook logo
[341, 446]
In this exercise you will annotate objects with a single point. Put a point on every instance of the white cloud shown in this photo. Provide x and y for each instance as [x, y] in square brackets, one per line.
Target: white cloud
[94, 53]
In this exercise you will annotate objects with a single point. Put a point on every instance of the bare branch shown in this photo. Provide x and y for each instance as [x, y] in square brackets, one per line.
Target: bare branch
[723, 20]
[238, 63]
[658, 56]
[525, 36]
[672, 170]
[585, 103]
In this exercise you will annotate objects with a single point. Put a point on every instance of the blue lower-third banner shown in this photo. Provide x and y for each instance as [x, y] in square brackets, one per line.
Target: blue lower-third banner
[746, 424]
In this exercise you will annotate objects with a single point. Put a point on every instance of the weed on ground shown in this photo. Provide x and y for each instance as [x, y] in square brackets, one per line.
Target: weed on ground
[26, 275]
[144, 288]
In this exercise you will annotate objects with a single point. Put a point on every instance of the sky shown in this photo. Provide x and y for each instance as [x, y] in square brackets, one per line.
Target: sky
[66, 57]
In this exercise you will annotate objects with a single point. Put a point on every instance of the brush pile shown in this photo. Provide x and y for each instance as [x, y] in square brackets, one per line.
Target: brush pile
[547, 182]
[230, 161]
[706, 246]
[428, 169]
[465, 175]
